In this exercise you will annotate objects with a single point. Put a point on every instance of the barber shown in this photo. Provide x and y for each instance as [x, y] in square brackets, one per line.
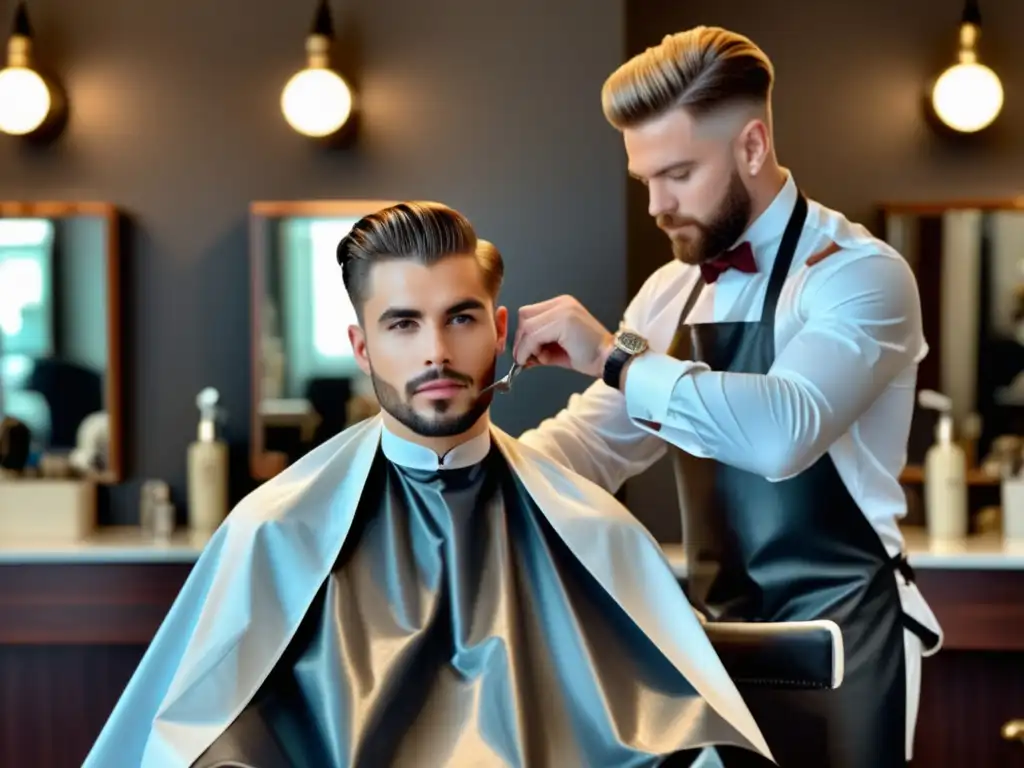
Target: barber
[775, 358]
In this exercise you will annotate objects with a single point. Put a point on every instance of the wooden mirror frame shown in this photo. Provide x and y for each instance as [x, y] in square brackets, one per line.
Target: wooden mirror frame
[112, 390]
[264, 464]
[940, 206]
[913, 474]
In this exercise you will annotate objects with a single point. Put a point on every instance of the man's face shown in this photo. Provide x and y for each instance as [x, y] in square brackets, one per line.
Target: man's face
[430, 339]
[697, 195]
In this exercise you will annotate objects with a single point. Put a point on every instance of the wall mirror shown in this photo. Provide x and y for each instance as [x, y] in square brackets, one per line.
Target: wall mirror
[306, 385]
[60, 364]
[969, 261]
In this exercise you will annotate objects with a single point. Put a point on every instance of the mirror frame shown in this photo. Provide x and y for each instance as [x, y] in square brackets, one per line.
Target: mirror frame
[913, 474]
[113, 387]
[264, 464]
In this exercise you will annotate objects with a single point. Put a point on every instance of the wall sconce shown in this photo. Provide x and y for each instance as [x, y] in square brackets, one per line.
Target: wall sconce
[968, 96]
[317, 101]
[31, 104]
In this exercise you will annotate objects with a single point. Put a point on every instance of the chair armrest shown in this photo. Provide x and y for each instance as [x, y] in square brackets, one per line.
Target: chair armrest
[784, 654]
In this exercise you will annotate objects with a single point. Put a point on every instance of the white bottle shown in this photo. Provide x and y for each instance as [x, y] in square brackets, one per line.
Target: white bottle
[945, 475]
[207, 469]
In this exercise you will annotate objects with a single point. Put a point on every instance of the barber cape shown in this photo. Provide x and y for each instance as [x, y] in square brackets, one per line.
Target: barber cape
[533, 624]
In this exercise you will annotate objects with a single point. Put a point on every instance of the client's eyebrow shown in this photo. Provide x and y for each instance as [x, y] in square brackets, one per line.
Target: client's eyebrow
[398, 313]
[465, 306]
[391, 314]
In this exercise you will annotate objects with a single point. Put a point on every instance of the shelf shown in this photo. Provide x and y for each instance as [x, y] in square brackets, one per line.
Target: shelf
[914, 475]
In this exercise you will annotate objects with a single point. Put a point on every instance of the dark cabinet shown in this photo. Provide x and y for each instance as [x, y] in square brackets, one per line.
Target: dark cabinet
[967, 697]
[71, 636]
[973, 688]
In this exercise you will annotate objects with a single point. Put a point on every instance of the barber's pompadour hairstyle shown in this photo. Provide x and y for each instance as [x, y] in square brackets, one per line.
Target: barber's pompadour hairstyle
[700, 69]
[425, 231]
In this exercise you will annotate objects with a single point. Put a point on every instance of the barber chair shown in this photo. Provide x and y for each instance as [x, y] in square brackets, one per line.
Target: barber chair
[250, 741]
[784, 655]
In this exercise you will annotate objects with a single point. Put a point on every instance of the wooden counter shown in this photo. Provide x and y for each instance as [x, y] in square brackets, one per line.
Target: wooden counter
[75, 619]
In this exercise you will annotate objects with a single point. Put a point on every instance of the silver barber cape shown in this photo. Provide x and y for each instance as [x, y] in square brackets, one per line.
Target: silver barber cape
[376, 606]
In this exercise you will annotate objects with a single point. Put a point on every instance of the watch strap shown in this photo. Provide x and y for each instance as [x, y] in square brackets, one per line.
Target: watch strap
[613, 366]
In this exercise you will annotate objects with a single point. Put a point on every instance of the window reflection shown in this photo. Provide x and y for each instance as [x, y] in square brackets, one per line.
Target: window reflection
[333, 313]
[26, 317]
[26, 321]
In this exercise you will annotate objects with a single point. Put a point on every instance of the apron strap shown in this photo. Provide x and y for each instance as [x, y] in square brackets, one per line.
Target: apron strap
[902, 564]
[691, 300]
[784, 258]
[678, 338]
[928, 638]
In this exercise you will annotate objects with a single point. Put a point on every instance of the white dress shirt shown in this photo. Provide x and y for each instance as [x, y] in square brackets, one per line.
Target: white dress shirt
[406, 453]
[848, 340]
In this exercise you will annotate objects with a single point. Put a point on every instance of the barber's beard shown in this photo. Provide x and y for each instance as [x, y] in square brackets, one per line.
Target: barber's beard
[440, 423]
[715, 237]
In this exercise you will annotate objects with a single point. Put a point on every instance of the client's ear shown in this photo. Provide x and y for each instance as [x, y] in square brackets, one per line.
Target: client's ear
[501, 323]
[357, 339]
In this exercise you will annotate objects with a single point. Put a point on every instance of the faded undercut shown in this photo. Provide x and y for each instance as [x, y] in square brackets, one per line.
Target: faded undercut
[702, 70]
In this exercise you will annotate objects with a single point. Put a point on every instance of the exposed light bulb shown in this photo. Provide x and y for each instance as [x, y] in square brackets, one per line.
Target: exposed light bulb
[25, 100]
[25, 97]
[316, 102]
[968, 97]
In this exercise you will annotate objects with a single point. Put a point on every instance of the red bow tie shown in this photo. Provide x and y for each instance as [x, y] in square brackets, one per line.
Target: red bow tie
[741, 257]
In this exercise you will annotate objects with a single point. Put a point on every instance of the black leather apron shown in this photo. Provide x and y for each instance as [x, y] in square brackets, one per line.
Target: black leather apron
[795, 550]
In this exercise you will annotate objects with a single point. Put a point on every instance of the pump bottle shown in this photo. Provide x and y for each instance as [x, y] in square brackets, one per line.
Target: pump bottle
[207, 469]
[945, 474]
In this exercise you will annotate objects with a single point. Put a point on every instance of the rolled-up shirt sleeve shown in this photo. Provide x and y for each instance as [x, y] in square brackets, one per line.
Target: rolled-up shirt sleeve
[861, 328]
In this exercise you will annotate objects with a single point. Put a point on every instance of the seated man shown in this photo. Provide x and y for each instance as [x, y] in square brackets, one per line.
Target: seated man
[422, 590]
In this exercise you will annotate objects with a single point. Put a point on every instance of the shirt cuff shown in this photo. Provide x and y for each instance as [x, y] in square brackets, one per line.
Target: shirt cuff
[650, 381]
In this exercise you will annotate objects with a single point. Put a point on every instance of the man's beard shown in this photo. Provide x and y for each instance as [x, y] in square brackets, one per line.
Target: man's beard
[725, 228]
[439, 425]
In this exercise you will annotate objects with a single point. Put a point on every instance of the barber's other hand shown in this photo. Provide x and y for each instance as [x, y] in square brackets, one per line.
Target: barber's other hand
[562, 332]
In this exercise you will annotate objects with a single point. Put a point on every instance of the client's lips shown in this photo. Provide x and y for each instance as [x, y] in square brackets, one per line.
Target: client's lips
[440, 388]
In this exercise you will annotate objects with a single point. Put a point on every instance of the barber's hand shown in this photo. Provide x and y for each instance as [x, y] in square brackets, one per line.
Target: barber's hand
[561, 332]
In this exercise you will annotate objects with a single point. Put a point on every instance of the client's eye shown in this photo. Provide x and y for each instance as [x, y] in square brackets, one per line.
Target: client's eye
[402, 325]
[463, 319]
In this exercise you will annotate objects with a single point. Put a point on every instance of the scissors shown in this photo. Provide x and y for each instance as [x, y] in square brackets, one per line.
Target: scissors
[504, 384]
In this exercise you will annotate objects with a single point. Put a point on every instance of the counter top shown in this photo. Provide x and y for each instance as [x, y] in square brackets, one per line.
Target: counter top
[114, 544]
[982, 552]
[989, 551]
[126, 544]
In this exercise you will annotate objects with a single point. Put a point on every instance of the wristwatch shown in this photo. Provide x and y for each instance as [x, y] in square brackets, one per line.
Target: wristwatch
[628, 344]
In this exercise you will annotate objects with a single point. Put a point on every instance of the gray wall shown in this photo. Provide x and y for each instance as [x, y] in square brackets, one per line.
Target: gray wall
[849, 120]
[492, 107]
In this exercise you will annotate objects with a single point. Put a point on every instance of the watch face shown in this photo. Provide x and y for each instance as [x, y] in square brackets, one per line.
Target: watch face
[632, 342]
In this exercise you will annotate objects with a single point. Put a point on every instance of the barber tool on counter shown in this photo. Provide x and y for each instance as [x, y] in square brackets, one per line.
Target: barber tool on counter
[157, 515]
[1004, 458]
